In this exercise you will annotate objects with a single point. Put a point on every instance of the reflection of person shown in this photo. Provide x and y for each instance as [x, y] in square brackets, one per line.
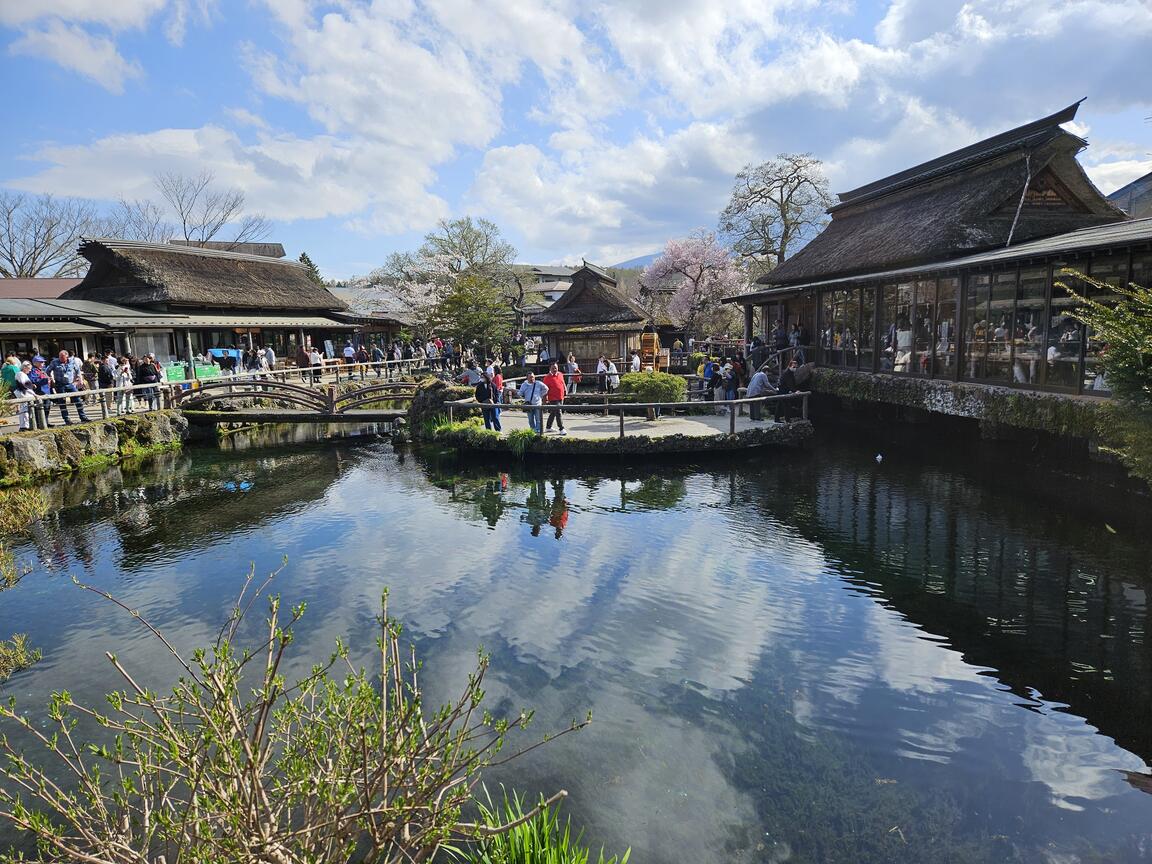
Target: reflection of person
[558, 518]
[536, 504]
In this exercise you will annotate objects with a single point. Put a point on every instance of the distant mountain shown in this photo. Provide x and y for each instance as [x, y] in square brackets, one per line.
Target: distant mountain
[638, 263]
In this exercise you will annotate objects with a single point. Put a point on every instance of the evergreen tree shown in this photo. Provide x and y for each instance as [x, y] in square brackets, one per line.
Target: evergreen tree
[313, 270]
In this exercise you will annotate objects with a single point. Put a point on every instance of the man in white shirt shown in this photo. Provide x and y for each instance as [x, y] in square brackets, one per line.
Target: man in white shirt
[635, 361]
[533, 392]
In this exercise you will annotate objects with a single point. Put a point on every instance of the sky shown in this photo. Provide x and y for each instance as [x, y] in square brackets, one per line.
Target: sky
[583, 128]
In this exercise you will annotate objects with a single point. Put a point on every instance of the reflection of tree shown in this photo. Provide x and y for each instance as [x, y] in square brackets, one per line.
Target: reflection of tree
[653, 493]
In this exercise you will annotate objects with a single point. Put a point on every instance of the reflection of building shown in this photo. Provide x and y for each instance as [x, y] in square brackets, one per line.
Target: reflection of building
[947, 270]
[170, 300]
[591, 318]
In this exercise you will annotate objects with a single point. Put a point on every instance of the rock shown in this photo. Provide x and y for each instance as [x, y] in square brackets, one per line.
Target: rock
[98, 439]
[34, 454]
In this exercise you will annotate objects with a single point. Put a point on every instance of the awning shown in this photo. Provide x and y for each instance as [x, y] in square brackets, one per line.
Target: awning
[36, 328]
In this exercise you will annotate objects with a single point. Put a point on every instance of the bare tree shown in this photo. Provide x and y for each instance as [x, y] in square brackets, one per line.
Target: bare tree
[775, 206]
[140, 219]
[39, 235]
[203, 210]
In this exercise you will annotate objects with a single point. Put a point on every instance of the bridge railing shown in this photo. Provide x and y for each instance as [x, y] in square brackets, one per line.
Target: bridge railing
[653, 409]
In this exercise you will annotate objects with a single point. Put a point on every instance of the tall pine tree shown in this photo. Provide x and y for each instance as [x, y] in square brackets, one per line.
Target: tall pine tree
[313, 270]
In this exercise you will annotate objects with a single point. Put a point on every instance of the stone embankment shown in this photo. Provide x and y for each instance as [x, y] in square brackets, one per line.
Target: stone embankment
[34, 456]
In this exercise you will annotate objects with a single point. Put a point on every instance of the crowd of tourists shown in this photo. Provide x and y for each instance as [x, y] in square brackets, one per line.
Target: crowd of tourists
[33, 379]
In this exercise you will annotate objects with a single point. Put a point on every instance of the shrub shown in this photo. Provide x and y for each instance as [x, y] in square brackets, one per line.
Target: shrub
[695, 359]
[653, 386]
[534, 839]
[237, 763]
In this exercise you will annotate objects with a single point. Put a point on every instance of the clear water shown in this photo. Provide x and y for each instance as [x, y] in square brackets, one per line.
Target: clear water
[808, 657]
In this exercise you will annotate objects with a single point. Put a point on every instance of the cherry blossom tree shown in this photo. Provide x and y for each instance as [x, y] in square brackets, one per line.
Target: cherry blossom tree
[694, 273]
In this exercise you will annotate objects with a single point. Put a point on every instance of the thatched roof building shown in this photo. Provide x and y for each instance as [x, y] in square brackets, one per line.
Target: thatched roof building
[172, 276]
[1017, 186]
[592, 317]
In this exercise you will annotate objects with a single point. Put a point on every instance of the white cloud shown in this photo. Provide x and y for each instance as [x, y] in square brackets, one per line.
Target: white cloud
[246, 118]
[285, 176]
[114, 14]
[74, 48]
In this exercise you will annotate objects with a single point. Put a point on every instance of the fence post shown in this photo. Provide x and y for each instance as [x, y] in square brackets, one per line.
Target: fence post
[39, 421]
[732, 408]
[804, 407]
[331, 399]
[621, 422]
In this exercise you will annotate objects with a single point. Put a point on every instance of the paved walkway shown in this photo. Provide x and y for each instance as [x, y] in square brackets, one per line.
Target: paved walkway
[596, 425]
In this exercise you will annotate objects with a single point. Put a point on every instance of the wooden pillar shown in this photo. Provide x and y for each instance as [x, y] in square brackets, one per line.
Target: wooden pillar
[189, 358]
[748, 315]
[127, 342]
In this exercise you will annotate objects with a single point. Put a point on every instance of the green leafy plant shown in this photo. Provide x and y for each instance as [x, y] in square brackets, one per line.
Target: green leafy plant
[1125, 330]
[239, 763]
[653, 386]
[536, 837]
[695, 359]
[16, 655]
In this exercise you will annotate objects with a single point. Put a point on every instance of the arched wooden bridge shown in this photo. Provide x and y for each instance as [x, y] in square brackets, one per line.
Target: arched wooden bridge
[216, 401]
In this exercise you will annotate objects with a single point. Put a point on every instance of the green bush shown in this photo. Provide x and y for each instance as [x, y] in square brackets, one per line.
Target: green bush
[538, 839]
[695, 359]
[653, 386]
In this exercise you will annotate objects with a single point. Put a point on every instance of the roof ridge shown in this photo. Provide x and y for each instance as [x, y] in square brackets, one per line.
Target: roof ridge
[175, 248]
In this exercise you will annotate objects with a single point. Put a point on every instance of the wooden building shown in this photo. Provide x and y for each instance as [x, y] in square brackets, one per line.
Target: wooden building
[592, 318]
[1135, 198]
[949, 269]
[198, 298]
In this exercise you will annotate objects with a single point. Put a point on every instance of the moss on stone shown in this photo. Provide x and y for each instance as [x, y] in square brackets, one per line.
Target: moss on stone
[1054, 413]
[31, 457]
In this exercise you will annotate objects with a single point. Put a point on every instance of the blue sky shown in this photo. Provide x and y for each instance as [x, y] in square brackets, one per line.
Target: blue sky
[582, 128]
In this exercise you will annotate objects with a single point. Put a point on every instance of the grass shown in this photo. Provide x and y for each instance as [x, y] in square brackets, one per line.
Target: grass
[19, 510]
[16, 655]
[519, 439]
[542, 839]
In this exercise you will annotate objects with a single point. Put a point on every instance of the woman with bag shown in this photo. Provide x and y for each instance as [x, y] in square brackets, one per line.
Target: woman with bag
[574, 376]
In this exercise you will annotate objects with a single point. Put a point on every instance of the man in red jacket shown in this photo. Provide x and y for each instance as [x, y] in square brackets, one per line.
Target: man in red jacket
[554, 381]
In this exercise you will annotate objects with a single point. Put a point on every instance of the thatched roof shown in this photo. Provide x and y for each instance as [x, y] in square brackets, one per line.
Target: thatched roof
[592, 299]
[152, 274]
[956, 205]
[265, 250]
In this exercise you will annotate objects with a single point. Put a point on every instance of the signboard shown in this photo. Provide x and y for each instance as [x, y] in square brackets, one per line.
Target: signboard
[177, 371]
[329, 349]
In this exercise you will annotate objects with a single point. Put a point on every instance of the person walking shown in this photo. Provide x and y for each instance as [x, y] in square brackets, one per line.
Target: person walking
[24, 394]
[316, 361]
[533, 393]
[378, 358]
[362, 360]
[572, 368]
[148, 373]
[65, 372]
[498, 385]
[487, 394]
[611, 377]
[123, 379]
[635, 361]
[554, 381]
[601, 374]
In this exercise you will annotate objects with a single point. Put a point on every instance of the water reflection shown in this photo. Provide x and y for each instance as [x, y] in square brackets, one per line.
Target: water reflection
[815, 659]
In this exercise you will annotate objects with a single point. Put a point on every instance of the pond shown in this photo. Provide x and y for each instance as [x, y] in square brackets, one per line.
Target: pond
[804, 657]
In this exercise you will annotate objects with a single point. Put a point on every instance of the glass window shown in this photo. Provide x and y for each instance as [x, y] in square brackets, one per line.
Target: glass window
[1000, 319]
[944, 361]
[923, 325]
[976, 326]
[867, 329]
[897, 322]
[1028, 327]
[851, 339]
[1062, 351]
[827, 328]
[1113, 272]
